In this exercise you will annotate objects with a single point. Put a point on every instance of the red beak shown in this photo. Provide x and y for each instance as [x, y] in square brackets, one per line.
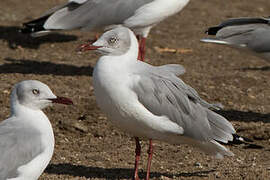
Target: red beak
[87, 46]
[61, 100]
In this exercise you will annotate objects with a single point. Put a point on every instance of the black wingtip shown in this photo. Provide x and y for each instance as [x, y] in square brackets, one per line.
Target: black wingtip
[213, 30]
[246, 141]
[35, 25]
[237, 140]
[27, 29]
[240, 140]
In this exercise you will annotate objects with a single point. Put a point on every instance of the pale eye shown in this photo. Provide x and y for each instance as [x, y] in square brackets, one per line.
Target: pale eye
[35, 91]
[113, 40]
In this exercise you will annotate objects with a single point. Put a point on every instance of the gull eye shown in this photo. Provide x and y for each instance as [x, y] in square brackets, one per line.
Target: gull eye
[113, 40]
[35, 91]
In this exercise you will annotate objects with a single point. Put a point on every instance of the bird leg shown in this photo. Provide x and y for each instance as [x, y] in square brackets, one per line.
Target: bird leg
[141, 41]
[137, 158]
[150, 154]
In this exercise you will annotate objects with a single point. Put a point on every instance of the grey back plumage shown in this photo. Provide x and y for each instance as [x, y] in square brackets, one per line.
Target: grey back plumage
[17, 146]
[164, 94]
[236, 22]
[252, 34]
[93, 14]
[176, 69]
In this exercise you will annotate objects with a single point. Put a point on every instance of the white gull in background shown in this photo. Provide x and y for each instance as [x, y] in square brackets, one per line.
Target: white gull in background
[139, 15]
[151, 101]
[249, 34]
[26, 137]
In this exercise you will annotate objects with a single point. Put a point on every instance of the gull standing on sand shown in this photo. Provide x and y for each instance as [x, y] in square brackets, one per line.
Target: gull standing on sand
[139, 15]
[250, 34]
[26, 137]
[151, 101]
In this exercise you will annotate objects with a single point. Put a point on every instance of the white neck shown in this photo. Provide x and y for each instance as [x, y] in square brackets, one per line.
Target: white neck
[34, 118]
[134, 46]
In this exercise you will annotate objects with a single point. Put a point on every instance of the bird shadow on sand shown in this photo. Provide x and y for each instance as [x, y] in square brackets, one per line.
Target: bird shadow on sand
[242, 116]
[263, 68]
[14, 38]
[112, 173]
[25, 66]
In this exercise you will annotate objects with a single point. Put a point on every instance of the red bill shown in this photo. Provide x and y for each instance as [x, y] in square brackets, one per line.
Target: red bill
[61, 100]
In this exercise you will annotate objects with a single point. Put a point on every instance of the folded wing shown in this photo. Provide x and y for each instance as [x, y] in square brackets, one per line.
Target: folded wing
[17, 147]
[164, 94]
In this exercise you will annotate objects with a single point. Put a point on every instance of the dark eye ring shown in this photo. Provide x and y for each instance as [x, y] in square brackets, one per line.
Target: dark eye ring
[35, 91]
[113, 40]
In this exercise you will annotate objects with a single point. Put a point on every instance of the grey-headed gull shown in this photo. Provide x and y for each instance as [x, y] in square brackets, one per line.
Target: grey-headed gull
[251, 34]
[139, 15]
[151, 101]
[26, 137]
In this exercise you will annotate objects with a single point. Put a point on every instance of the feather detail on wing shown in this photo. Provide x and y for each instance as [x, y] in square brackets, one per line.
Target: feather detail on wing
[164, 94]
[94, 14]
[236, 22]
[176, 69]
[171, 97]
[16, 148]
[83, 14]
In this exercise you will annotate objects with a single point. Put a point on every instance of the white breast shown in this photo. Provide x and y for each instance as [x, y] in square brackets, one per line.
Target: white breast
[110, 86]
[116, 99]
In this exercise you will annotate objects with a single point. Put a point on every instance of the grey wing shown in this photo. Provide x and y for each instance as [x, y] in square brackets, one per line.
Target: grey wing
[171, 71]
[172, 68]
[69, 4]
[172, 98]
[236, 22]
[94, 14]
[243, 21]
[17, 147]
[192, 94]
[254, 36]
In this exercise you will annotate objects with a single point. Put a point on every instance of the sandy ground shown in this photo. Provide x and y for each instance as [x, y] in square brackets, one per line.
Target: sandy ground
[89, 147]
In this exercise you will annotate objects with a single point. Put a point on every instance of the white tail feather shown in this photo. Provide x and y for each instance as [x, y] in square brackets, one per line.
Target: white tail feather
[215, 149]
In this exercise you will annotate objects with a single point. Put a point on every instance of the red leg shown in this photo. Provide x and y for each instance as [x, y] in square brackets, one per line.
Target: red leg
[141, 41]
[150, 154]
[137, 158]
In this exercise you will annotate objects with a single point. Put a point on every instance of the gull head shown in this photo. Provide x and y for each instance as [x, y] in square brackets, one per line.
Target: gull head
[35, 95]
[114, 42]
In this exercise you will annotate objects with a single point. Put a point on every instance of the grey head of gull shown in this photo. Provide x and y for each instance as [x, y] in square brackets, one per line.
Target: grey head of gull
[139, 15]
[26, 137]
[249, 34]
[151, 101]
